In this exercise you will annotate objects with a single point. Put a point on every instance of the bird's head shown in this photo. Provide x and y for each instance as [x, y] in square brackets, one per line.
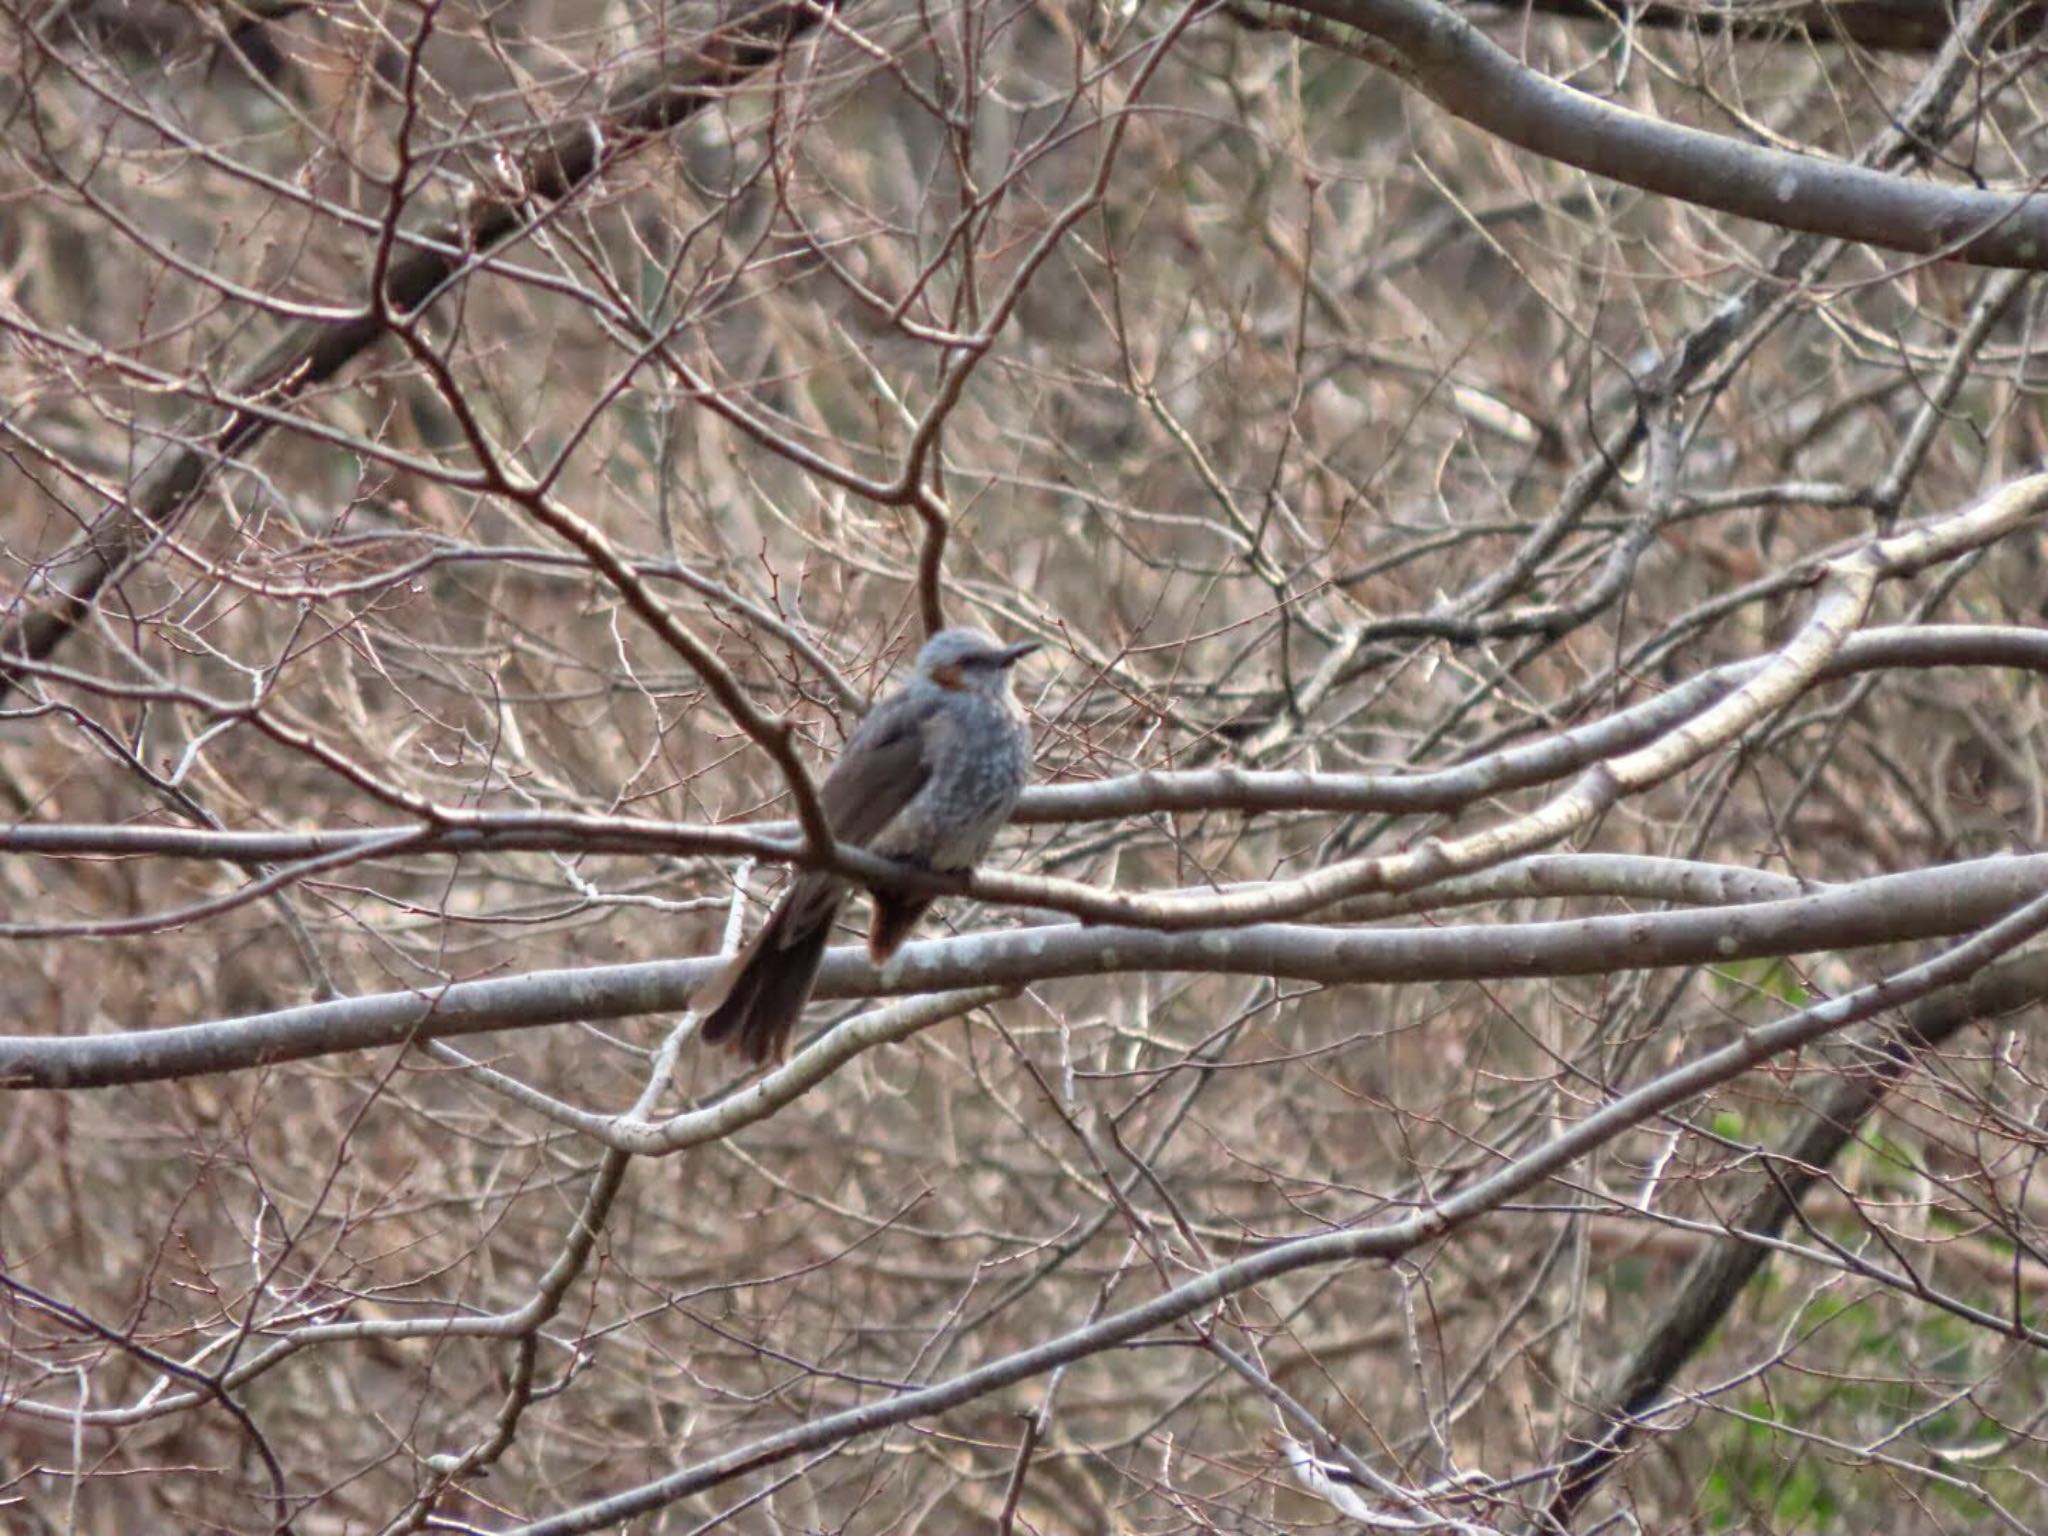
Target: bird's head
[970, 660]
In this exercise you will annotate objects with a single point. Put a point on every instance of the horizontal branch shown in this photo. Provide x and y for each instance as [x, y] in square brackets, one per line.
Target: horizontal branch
[1139, 794]
[1924, 904]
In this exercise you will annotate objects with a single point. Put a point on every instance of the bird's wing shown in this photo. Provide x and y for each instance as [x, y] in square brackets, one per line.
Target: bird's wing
[880, 772]
[755, 999]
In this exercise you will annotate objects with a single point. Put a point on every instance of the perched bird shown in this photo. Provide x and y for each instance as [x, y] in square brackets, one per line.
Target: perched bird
[928, 778]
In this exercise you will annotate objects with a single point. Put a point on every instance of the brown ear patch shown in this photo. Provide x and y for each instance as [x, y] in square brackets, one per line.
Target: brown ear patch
[949, 676]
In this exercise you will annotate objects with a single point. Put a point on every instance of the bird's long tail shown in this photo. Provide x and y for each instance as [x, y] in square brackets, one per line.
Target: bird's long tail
[753, 1004]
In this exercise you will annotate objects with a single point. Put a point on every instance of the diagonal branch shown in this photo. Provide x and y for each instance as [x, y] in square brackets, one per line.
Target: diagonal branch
[1385, 1240]
[1902, 26]
[1719, 1276]
[1454, 64]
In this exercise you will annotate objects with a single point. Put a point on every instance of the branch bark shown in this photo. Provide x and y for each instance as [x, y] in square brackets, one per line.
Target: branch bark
[1454, 64]
[1924, 904]
[1900, 26]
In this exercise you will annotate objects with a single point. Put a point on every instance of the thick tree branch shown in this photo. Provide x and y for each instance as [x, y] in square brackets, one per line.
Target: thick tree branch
[1924, 904]
[1458, 67]
[1900, 26]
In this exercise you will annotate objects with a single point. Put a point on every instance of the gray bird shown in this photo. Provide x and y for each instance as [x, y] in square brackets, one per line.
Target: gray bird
[928, 778]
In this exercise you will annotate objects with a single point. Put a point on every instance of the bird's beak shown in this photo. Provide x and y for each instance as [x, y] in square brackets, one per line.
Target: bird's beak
[1012, 654]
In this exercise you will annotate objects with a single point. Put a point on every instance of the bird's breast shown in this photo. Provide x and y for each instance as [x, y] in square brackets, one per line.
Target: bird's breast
[978, 759]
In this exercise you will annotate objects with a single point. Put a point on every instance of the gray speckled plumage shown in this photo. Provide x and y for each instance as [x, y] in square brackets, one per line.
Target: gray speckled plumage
[928, 778]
